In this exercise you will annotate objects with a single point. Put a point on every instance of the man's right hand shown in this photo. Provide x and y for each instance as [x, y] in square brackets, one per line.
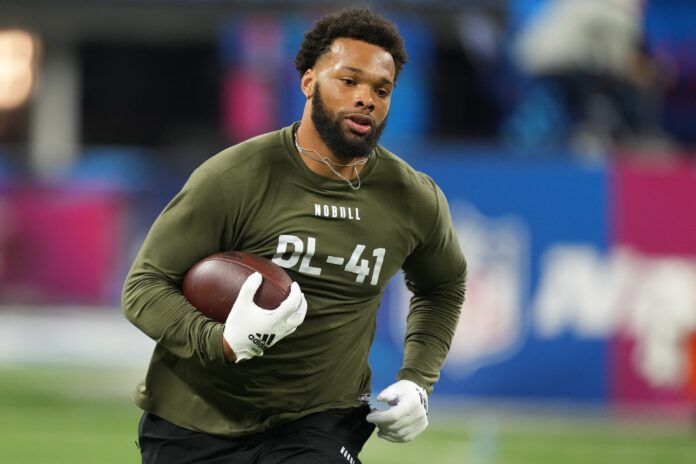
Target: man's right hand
[249, 329]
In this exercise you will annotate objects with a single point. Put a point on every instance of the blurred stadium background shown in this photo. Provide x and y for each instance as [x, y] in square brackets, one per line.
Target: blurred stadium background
[562, 131]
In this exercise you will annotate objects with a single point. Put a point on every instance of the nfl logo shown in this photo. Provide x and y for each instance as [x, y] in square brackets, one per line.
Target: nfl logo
[492, 324]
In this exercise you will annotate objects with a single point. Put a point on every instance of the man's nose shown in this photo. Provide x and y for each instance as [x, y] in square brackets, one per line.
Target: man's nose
[363, 98]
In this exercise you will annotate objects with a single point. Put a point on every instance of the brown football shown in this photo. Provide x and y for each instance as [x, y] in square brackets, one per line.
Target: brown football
[212, 284]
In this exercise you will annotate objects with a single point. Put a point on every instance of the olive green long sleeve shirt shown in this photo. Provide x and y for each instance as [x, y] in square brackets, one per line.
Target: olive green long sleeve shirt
[341, 245]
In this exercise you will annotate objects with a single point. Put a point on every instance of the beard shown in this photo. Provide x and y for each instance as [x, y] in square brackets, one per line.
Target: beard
[344, 146]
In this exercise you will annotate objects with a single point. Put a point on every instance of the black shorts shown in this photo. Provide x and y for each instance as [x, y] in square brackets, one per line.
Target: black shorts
[331, 437]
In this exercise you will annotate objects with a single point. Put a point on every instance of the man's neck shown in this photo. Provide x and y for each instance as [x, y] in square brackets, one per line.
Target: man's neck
[308, 138]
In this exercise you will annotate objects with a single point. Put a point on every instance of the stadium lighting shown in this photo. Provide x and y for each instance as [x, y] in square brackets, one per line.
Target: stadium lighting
[18, 51]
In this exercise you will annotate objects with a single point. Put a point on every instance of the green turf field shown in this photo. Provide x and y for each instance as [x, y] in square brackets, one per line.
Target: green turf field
[76, 416]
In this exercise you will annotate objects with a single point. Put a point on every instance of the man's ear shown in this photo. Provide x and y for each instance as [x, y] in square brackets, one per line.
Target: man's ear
[307, 83]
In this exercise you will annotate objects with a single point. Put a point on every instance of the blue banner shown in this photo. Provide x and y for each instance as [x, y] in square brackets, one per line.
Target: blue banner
[509, 217]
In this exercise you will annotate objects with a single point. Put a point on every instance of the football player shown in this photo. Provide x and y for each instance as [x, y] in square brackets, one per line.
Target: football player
[342, 215]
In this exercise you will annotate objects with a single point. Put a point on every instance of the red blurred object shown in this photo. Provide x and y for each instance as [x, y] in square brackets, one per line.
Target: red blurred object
[62, 246]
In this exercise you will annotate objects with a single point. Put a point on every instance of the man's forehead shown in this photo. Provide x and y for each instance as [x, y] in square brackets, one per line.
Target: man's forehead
[358, 55]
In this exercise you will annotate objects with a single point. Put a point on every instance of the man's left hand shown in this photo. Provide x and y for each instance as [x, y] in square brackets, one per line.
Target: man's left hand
[407, 415]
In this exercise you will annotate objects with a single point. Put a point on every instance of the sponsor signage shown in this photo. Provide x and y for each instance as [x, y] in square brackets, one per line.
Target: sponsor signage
[582, 282]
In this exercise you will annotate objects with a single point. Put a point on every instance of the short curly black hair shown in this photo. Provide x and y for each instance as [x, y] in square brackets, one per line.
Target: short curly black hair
[353, 23]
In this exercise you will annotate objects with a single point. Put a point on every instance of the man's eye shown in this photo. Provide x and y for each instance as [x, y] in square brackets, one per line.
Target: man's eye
[348, 81]
[383, 93]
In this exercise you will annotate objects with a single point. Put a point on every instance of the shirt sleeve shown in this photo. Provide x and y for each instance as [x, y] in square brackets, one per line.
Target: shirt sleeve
[191, 227]
[436, 274]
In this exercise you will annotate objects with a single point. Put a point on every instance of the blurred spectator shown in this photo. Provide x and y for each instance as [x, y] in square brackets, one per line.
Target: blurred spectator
[595, 83]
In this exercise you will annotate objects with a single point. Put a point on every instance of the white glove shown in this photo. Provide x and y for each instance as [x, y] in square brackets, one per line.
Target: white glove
[407, 416]
[249, 329]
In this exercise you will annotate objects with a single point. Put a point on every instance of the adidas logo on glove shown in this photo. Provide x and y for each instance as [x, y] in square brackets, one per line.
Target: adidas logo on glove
[262, 340]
